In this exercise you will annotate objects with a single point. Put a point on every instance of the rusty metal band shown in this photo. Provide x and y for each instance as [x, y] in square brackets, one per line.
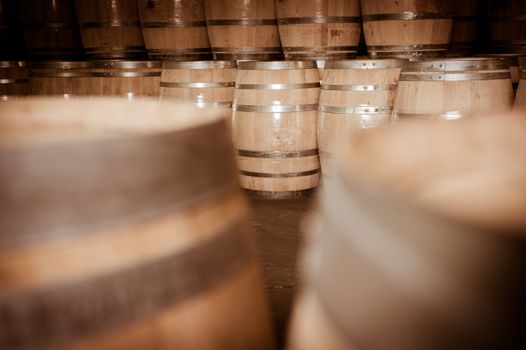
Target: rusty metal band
[322, 49]
[277, 86]
[279, 175]
[123, 64]
[109, 24]
[356, 110]
[125, 74]
[405, 16]
[402, 48]
[12, 64]
[116, 51]
[75, 192]
[377, 87]
[465, 18]
[278, 154]
[276, 65]
[197, 85]
[245, 49]
[180, 51]
[319, 20]
[408, 54]
[280, 194]
[49, 25]
[456, 65]
[241, 22]
[454, 76]
[4, 81]
[176, 24]
[435, 116]
[200, 65]
[365, 64]
[57, 314]
[276, 108]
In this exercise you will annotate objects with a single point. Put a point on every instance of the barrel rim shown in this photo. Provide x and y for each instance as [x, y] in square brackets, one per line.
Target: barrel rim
[371, 63]
[209, 64]
[126, 64]
[276, 65]
[13, 64]
[455, 64]
[61, 64]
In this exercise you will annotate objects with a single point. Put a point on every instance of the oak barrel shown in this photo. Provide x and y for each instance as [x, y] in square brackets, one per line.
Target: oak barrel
[128, 79]
[520, 98]
[507, 25]
[512, 60]
[205, 83]
[139, 236]
[356, 96]
[50, 29]
[14, 79]
[64, 78]
[406, 29]
[450, 88]
[319, 30]
[243, 30]
[110, 29]
[274, 127]
[465, 27]
[425, 223]
[175, 29]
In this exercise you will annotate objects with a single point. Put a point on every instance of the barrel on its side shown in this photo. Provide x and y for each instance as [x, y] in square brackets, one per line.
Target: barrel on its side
[274, 127]
[139, 236]
[449, 89]
[14, 79]
[408, 29]
[175, 29]
[319, 30]
[243, 30]
[507, 27]
[64, 78]
[520, 98]
[512, 60]
[356, 96]
[110, 29]
[126, 78]
[465, 27]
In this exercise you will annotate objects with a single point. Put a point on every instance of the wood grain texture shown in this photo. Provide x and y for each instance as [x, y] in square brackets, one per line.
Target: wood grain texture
[465, 27]
[63, 78]
[14, 79]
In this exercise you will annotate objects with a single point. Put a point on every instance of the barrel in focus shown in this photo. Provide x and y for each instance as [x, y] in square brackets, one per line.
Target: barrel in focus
[64, 78]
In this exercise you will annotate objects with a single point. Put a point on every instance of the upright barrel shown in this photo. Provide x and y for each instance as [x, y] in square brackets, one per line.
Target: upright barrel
[465, 27]
[110, 29]
[50, 29]
[406, 29]
[450, 88]
[319, 30]
[243, 29]
[14, 79]
[175, 29]
[139, 236]
[274, 127]
[128, 79]
[205, 83]
[356, 96]
[520, 98]
[64, 78]
[507, 27]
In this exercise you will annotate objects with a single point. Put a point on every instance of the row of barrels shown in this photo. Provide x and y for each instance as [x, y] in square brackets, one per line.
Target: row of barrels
[260, 30]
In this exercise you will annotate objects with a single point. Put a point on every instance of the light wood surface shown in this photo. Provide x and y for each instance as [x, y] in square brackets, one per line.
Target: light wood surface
[63, 78]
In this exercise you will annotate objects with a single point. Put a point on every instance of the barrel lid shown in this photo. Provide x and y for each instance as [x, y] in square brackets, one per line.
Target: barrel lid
[276, 65]
[199, 64]
[61, 64]
[456, 64]
[12, 64]
[126, 64]
[366, 63]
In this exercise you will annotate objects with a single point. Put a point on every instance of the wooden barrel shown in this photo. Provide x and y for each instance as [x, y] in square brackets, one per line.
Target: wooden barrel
[243, 29]
[465, 27]
[50, 29]
[129, 79]
[512, 60]
[422, 224]
[450, 88]
[319, 30]
[175, 29]
[64, 78]
[520, 98]
[110, 29]
[139, 236]
[406, 29]
[356, 96]
[274, 127]
[507, 27]
[205, 83]
[14, 79]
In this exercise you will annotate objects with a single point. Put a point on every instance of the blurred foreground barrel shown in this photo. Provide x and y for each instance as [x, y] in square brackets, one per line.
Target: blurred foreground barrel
[128, 79]
[274, 127]
[356, 96]
[110, 29]
[139, 236]
[465, 27]
[507, 27]
[14, 79]
[243, 30]
[50, 29]
[406, 29]
[319, 30]
[175, 29]
[424, 223]
[64, 78]
[520, 98]
[450, 88]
